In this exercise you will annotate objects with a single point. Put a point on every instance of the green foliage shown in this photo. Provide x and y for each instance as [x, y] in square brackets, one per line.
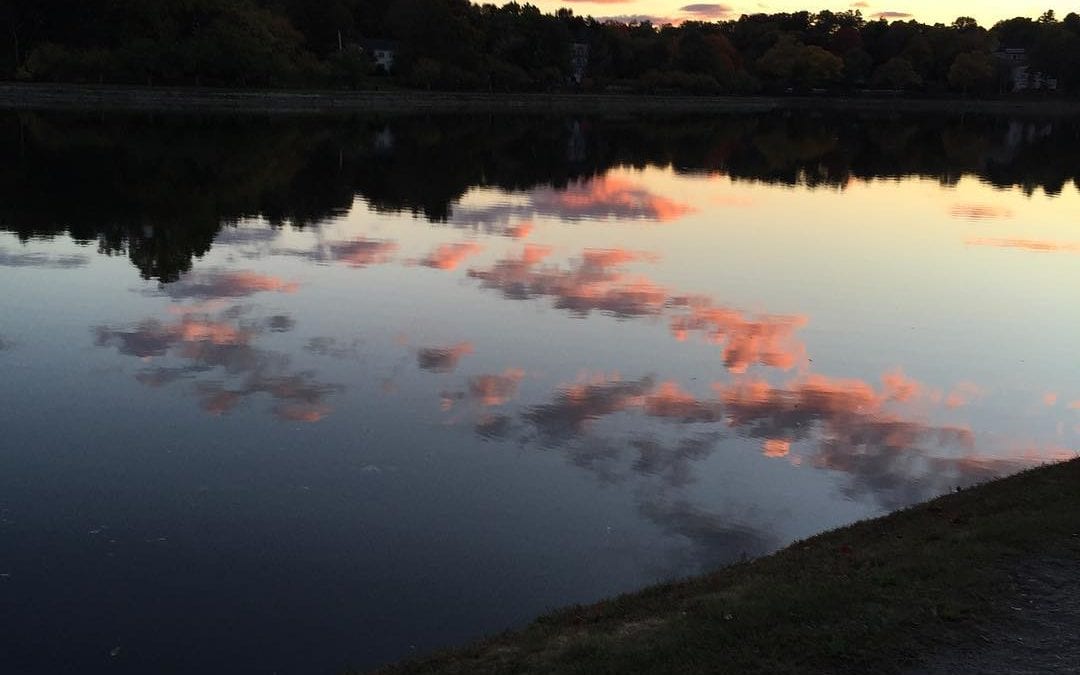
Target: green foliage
[897, 73]
[972, 71]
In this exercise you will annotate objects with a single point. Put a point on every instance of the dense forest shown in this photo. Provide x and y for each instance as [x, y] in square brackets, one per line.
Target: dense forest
[162, 189]
[458, 45]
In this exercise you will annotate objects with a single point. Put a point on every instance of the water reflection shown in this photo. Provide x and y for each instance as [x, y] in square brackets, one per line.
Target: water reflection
[215, 343]
[40, 260]
[1036, 245]
[119, 181]
[656, 346]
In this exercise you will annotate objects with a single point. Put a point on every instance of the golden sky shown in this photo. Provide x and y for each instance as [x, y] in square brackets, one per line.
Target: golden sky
[931, 11]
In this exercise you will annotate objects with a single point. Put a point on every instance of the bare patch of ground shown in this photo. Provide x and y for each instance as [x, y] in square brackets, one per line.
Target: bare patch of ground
[1041, 635]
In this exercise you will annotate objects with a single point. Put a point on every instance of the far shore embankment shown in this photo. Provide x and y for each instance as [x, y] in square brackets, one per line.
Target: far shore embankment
[22, 96]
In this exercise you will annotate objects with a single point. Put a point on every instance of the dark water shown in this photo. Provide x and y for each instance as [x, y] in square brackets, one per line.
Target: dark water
[287, 395]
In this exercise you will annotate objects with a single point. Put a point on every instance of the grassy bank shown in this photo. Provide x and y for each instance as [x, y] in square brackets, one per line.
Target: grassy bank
[874, 597]
[163, 99]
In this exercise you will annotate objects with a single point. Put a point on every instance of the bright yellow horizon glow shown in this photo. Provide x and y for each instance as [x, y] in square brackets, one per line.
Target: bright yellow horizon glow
[987, 12]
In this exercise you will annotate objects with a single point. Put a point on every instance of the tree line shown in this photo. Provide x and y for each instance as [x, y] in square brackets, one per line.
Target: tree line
[458, 45]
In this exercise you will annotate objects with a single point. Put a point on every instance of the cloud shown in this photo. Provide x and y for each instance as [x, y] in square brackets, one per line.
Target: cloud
[449, 256]
[708, 10]
[575, 406]
[218, 353]
[889, 14]
[442, 359]
[221, 284]
[592, 284]
[980, 212]
[963, 394]
[41, 260]
[362, 252]
[1036, 245]
[520, 231]
[495, 390]
[595, 282]
[767, 340]
[603, 198]
[359, 252]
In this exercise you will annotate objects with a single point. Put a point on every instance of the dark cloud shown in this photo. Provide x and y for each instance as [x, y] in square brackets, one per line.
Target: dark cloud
[442, 359]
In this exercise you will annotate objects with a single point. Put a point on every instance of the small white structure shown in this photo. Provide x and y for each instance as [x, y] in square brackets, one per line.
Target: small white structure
[383, 53]
[1020, 75]
[579, 61]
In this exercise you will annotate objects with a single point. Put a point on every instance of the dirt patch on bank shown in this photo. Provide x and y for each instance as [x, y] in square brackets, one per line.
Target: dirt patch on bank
[1041, 635]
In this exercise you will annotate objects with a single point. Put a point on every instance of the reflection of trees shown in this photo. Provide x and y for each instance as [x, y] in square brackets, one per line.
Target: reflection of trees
[161, 188]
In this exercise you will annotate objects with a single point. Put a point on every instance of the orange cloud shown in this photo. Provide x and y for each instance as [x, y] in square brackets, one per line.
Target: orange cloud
[223, 347]
[496, 390]
[616, 196]
[449, 256]
[1036, 245]
[980, 212]
[302, 413]
[765, 340]
[899, 387]
[670, 401]
[773, 447]
[216, 284]
[521, 230]
[963, 394]
[593, 284]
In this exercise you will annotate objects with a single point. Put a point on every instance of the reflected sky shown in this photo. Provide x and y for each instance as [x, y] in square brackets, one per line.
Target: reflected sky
[410, 431]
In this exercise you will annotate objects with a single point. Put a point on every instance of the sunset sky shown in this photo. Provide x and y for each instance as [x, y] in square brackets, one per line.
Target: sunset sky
[931, 11]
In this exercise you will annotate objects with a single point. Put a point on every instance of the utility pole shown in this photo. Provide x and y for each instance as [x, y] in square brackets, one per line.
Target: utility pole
[340, 47]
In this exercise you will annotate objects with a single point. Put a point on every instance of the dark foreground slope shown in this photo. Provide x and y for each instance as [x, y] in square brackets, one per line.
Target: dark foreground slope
[914, 591]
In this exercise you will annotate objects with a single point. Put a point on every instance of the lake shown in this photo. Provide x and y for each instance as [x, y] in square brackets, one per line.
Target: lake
[296, 394]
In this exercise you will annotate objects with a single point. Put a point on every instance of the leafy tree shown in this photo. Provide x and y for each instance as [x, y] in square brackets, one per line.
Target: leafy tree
[972, 71]
[897, 73]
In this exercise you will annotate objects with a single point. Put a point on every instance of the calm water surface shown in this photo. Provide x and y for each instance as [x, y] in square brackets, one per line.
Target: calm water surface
[290, 395]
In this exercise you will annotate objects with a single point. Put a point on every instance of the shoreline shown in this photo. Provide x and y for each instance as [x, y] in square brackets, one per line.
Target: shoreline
[22, 96]
[934, 588]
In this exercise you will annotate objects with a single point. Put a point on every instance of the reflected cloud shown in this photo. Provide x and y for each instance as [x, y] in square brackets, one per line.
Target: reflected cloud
[577, 405]
[359, 252]
[496, 390]
[716, 537]
[980, 212]
[595, 283]
[592, 284]
[765, 340]
[869, 434]
[520, 231]
[209, 346]
[331, 347]
[608, 197]
[218, 284]
[41, 260]
[449, 256]
[1036, 245]
[963, 394]
[443, 359]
